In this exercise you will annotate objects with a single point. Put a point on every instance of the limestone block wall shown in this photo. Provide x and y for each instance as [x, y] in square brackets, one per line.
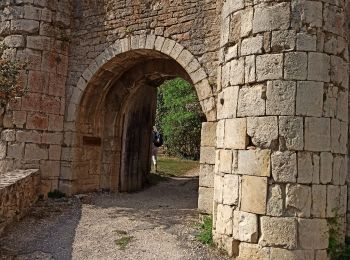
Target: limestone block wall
[19, 190]
[32, 135]
[281, 158]
[192, 25]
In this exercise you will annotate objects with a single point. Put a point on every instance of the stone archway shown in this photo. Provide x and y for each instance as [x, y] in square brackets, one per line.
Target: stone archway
[110, 112]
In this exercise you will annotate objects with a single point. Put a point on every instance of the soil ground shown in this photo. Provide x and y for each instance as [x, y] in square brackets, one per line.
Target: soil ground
[156, 223]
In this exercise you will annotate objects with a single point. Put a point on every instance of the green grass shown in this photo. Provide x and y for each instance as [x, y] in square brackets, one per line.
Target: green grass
[123, 242]
[172, 167]
[205, 235]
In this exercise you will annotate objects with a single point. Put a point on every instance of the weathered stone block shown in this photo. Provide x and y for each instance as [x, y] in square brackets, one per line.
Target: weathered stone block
[8, 135]
[295, 66]
[237, 72]
[333, 201]
[283, 40]
[250, 71]
[252, 45]
[227, 102]
[250, 101]
[252, 252]
[231, 189]
[247, 21]
[15, 150]
[275, 201]
[308, 167]
[291, 132]
[205, 200]
[278, 232]
[220, 134]
[224, 220]
[254, 194]
[245, 227]
[306, 42]
[55, 152]
[319, 67]
[24, 26]
[279, 254]
[313, 233]
[317, 134]
[218, 188]
[284, 166]
[326, 169]
[35, 152]
[298, 200]
[225, 165]
[263, 131]
[236, 133]
[342, 106]
[269, 67]
[208, 135]
[269, 18]
[319, 200]
[254, 162]
[50, 169]
[280, 98]
[207, 155]
[309, 98]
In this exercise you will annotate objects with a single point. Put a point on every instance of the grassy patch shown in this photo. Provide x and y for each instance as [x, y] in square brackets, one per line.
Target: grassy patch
[123, 242]
[172, 167]
[205, 235]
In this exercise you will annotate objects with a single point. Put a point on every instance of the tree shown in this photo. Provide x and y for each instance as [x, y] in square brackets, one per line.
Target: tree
[10, 84]
[179, 118]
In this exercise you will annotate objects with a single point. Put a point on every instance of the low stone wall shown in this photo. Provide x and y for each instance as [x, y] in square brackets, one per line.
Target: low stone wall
[18, 192]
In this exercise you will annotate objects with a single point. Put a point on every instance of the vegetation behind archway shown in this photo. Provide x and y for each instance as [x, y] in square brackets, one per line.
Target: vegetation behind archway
[179, 117]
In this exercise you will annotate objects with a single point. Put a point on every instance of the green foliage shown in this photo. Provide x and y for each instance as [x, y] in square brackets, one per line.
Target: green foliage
[337, 249]
[123, 242]
[10, 84]
[56, 194]
[205, 235]
[179, 118]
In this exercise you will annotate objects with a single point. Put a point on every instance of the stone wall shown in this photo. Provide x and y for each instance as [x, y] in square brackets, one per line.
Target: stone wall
[272, 78]
[19, 190]
[282, 130]
[37, 32]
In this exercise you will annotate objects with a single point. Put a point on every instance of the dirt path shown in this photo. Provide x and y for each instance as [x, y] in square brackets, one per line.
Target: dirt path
[159, 222]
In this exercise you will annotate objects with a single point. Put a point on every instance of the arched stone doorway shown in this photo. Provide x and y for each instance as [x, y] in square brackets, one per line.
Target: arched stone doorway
[111, 112]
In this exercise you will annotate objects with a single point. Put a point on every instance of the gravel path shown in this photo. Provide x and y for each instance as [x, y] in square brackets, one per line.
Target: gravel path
[157, 223]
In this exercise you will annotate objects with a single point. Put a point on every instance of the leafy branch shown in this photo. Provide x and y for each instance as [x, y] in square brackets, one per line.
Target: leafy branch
[11, 86]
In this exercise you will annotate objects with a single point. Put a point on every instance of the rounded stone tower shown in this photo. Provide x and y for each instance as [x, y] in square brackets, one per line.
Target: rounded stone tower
[281, 159]
[32, 128]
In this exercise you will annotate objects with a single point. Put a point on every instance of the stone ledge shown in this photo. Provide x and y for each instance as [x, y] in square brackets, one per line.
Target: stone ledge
[18, 192]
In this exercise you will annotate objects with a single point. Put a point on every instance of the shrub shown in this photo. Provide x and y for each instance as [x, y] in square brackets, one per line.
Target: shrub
[179, 118]
[10, 84]
[337, 249]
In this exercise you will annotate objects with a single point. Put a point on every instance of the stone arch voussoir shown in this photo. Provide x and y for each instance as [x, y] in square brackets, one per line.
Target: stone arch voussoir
[163, 45]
